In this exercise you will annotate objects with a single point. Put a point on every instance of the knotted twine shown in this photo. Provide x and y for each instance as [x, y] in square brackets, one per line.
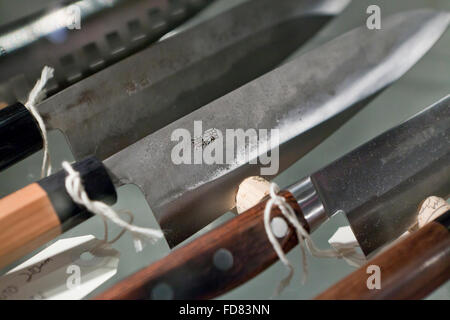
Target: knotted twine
[304, 239]
[73, 183]
[75, 189]
[36, 95]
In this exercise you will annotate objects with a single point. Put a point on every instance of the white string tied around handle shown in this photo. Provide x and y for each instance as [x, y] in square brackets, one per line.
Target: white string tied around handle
[75, 189]
[36, 95]
[304, 239]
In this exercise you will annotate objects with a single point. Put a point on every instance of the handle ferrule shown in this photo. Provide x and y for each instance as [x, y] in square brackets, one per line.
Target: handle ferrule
[96, 181]
[19, 135]
[310, 203]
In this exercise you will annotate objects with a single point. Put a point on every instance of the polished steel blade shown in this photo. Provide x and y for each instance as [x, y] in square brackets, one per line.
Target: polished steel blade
[116, 107]
[380, 185]
[299, 98]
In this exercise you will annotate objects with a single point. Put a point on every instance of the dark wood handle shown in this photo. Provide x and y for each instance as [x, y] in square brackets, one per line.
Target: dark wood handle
[211, 265]
[411, 269]
[19, 135]
[39, 212]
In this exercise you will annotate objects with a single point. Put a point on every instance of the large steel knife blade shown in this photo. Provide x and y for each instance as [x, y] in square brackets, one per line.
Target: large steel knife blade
[305, 100]
[380, 185]
[118, 106]
[301, 99]
[392, 174]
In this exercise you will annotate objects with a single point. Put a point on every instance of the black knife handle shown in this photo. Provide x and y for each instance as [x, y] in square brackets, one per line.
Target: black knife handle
[19, 135]
[41, 211]
[212, 264]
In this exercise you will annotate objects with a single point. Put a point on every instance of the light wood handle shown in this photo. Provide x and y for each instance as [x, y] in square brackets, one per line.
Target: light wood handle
[27, 221]
[37, 213]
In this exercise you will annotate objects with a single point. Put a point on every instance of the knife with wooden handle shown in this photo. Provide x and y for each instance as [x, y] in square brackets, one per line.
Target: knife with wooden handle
[411, 269]
[212, 264]
[305, 116]
[237, 251]
[170, 79]
[41, 211]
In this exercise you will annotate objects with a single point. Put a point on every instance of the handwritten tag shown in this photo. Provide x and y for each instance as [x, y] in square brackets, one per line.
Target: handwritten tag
[68, 269]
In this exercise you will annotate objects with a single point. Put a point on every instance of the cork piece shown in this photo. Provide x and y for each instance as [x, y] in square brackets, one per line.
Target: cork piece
[251, 191]
[431, 208]
[3, 105]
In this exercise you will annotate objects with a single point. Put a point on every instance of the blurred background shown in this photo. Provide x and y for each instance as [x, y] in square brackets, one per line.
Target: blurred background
[425, 83]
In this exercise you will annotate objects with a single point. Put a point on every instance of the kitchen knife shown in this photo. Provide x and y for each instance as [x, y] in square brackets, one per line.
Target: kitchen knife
[300, 99]
[411, 269]
[139, 95]
[305, 99]
[393, 172]
[108, 32]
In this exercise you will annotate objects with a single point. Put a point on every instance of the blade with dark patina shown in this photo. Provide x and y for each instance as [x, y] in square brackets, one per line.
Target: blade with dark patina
[380, 185]
[302, 99]
[116, 107]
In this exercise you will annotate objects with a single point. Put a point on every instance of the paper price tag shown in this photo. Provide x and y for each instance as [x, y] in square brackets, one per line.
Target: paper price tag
[68, 269]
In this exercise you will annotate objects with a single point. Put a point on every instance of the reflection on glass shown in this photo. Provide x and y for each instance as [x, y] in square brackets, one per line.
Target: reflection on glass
[53, 24]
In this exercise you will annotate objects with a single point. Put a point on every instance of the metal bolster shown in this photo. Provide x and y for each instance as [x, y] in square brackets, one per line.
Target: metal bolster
[309, 201]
